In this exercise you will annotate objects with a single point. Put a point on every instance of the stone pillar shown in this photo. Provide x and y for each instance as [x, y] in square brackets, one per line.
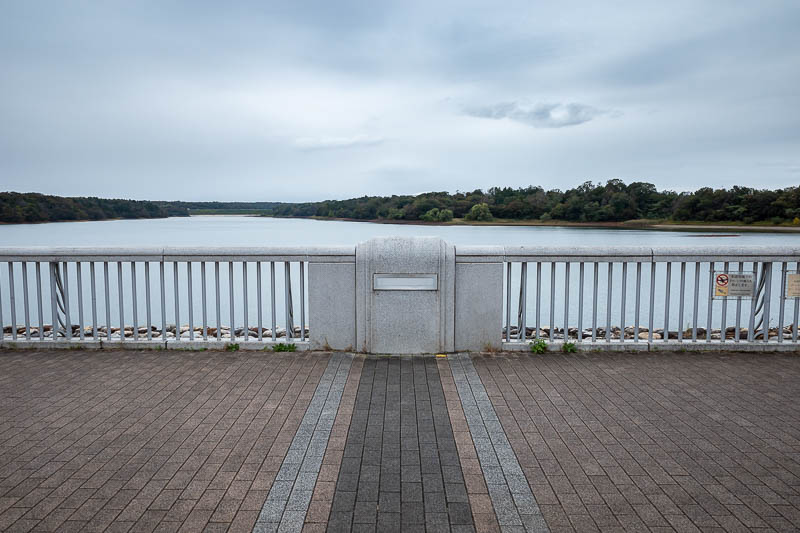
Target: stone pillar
[332, 306]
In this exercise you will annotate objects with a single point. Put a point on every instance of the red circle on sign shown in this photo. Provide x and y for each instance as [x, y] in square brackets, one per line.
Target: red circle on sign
[722, 280]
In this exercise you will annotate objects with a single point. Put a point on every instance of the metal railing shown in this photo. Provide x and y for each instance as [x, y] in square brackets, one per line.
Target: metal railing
[643, 295]
[227, 295]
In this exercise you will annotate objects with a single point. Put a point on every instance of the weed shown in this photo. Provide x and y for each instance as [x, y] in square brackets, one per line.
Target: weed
[281, 347]
[538, 346]
[231, 347]
[568, 347]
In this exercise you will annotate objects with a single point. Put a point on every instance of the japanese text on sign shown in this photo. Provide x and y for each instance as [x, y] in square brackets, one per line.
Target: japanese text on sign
[793, 285]
[733, 284]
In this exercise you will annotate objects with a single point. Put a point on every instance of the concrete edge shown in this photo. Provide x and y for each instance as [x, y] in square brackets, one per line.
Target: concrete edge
[658, 346]
[197, 345]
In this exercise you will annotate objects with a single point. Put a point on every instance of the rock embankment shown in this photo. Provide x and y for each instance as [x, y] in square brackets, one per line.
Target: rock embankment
[172, 332]
[644, 333]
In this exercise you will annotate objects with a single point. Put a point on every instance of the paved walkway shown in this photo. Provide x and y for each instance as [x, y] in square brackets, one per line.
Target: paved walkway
[201, 441]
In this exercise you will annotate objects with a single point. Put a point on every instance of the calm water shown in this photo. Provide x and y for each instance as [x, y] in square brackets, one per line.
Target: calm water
[256, 231]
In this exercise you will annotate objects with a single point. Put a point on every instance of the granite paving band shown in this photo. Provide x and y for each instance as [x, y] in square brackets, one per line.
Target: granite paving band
[289, 497]
[508, 487]
[400, 469]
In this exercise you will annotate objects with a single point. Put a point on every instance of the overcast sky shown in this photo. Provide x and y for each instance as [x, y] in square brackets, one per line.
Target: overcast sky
[202, 100]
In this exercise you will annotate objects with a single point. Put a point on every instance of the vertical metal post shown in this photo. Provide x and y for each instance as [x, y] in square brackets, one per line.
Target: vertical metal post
[177, 301]
[610, 268]
[203, 296]
[95, 333]
[796, 307]
[217, 301]
[508, 301]
[190, 299]
[782, 301]
[666, 301]
[134, 297]
[723, 330]
[738, 329]
[523, 332]
[624, 298]
[230, 292]
[107, 300]
[638, 301]
[272, 298]
[258, 300]
[163, 300]
[246, 328]
[287, 281]
[681, 300]
[147, 300]
[767, 299]
[752, 324]
[302, 302]
[13, 301]
[53, 303]
[580, 303]
[710, 299]
[39, 299]
[538, 297]
[80, 300]
[696, 300]
[121, 303]
[25, 303]
[67, 318]
[650, 324]
[566, 301]
[594, 304]
[552, 300]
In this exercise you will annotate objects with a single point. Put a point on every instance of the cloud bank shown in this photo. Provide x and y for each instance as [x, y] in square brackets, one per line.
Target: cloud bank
[538, 115]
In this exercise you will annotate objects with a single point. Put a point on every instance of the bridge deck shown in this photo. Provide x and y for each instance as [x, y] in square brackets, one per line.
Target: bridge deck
[193, 441]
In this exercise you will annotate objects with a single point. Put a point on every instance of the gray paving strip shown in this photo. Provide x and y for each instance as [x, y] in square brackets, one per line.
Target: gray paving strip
[290, 495]
[511, 495]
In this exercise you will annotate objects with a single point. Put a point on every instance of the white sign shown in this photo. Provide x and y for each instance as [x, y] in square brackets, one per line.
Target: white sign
[405, 282]
[793, 285]
[733, 284]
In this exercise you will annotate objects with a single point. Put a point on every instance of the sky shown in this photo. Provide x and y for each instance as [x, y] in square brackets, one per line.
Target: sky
[305, 101]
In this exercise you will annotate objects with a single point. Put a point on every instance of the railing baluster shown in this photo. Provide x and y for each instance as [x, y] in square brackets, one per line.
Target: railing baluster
[594, 304]
[217, 301]
[610, 269]
[666, 301]
[25, 303]
[177, 301]
[147, 300]
[302, 302]
[566, 301]
[580, 304]
[523, 333]
[652, 302]
[53, 302]
[723, 330]
[796, 308]
[552, 300]
[258, 299]
[710, 299]
[39, 299]
[230, 293]
[696, 300]
[203, 296]
[681, 301]
[134, 298]
[121, 303]
[767, 300]
[752, 323]
[538, 297]
[739, 267]
[80, 300]
[190, 302]
[508, 301]
[638, 302]
[163, 300]
[108, 300]
[783, 302]
[67, 318]
[624, 298]
[12, 301]
[2, 322]
[272, 297]
[246, 327]
[287, 280]
[93, 279]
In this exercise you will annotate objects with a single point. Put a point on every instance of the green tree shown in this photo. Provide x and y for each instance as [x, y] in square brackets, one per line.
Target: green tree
[479, 212]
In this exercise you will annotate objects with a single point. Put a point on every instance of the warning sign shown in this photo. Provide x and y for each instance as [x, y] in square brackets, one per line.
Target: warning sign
[733, 284]
[793, 285]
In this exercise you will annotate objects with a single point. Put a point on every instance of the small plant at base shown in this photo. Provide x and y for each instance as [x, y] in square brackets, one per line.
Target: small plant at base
[231, 347]
[569, 347]
[281, 347]
[538, 346]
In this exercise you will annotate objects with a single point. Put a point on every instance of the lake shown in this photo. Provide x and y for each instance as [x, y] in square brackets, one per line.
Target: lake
[261, 231]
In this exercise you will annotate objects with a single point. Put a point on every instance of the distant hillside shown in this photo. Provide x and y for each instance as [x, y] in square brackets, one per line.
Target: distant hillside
[18, 208]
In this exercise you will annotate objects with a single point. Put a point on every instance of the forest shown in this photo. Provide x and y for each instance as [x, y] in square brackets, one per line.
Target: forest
[16, 208]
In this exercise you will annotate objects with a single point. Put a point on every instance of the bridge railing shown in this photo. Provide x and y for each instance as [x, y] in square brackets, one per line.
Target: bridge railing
[178, 294]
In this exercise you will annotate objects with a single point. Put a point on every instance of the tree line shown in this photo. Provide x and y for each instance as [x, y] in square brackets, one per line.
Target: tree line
[34, 207]
[613, 201]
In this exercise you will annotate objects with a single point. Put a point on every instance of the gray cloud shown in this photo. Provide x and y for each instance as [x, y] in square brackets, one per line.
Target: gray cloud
[332, 143]
[539, 115]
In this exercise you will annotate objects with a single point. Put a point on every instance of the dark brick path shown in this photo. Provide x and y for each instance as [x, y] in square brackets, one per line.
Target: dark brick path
[400, 468]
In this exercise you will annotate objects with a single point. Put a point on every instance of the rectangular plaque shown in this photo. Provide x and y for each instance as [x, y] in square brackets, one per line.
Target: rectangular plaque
[793, 285]
[733, 284]
[405, 282]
